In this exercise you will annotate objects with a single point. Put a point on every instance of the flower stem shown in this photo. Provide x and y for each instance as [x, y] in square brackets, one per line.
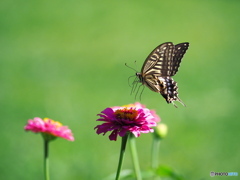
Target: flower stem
[135, 157]
[122, 151]
[155, 151]
[46, 160]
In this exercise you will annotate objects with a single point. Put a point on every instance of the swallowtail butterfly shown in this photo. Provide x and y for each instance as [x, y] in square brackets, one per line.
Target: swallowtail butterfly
[159, 67]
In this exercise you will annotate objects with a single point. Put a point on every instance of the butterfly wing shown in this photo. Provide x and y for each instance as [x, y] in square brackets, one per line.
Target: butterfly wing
[159, 61]
[152, 83]
[166, 86]
[179, 51]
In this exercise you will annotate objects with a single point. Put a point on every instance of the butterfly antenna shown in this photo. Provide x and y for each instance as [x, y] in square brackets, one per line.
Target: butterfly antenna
[131, 67]
[135, 62]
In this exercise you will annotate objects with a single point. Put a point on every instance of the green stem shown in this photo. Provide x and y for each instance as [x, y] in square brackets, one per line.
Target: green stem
[135, 157]
[122, 151]
[46, 160]
[155, 151]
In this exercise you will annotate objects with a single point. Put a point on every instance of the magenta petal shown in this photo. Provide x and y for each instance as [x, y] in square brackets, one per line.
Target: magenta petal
[108, 112]
[113, 135]
[123, 132]
[136, 133]
[103, 128]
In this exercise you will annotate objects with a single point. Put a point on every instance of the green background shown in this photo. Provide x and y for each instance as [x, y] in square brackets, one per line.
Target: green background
[65, 60]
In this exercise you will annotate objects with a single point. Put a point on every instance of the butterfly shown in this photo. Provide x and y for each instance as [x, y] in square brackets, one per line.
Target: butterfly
[159, 67]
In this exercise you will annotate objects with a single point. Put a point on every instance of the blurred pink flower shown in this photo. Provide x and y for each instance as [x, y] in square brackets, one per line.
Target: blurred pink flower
[50, 127]
[134, 118]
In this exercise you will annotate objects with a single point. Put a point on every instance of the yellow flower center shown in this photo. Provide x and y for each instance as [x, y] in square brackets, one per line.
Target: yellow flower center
[126, 113]
[55, 123]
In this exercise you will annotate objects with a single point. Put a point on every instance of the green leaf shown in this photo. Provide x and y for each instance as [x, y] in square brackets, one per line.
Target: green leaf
[166, 171]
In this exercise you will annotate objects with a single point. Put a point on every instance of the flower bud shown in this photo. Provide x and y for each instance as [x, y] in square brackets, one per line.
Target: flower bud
[161, 130]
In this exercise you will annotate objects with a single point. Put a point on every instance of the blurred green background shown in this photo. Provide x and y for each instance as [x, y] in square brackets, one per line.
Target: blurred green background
[65, 60]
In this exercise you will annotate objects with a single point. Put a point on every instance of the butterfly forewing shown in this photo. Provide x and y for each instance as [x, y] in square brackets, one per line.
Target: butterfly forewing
[159, 60]
[179, 51]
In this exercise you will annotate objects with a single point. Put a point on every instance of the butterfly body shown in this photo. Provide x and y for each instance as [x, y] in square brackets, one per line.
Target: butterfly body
[159, 67]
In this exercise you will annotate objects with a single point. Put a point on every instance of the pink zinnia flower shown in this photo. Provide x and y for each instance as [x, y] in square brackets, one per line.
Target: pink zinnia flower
[49, 127]
[134, 118]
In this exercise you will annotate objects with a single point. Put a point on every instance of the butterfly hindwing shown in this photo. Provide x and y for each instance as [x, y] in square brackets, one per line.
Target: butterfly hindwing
[152, 83]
